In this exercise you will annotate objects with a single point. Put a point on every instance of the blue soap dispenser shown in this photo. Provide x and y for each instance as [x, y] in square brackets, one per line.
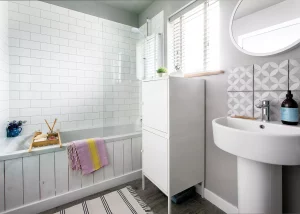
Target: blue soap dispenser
[289, 110]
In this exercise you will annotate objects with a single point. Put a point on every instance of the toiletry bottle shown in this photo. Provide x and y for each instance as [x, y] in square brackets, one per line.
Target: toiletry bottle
[289, 110]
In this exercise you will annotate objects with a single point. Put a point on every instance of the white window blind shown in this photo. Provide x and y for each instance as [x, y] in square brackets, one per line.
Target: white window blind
[153, 55]
[196, 37]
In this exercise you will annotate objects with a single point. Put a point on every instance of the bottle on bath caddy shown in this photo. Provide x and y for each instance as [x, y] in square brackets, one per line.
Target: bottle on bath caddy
[289, 110]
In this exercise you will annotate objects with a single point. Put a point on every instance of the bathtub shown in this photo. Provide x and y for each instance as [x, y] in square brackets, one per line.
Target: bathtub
[40, 180]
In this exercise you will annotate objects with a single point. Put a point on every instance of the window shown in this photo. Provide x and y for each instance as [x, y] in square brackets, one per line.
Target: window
[196, 37]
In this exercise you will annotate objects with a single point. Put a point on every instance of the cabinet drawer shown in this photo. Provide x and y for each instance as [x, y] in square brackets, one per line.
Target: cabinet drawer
[155, 159]
[155, 105]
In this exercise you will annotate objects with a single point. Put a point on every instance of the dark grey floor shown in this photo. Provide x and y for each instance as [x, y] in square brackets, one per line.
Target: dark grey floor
[156, 200]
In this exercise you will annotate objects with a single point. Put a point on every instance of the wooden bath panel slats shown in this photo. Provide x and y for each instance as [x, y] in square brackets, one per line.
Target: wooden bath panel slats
[136, 153]
[13, 183]
[87, 180]
[118, 158]
[47, 175]
[31, 173]
[61, 172]
[2, 206]
[33, 178]
[109, 170]
[98, 176]
[74, 180]
[127, 156]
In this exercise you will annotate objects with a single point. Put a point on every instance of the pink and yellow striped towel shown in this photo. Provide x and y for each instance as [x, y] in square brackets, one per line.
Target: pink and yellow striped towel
[87, 155]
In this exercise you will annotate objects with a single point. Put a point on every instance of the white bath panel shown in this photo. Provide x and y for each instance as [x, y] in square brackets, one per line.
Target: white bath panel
[61, 172]
[109, 169]
[13, 183]
[35, 178]
[127, 156]
[74, 179]
[31, 172]
[87, 180]
[118, 158]
[47, 179]
[2, 208]
[99, 176]
[136, 153]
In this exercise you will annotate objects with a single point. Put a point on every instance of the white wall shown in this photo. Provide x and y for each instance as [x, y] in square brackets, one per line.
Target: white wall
[72, 66]
[4, 69]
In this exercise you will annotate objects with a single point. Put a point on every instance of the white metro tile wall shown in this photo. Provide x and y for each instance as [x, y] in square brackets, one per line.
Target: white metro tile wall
[72, 66]
[4, 68]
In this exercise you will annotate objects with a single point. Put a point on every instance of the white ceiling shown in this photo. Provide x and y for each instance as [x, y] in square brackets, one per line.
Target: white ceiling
[248, 7]
[134, 6]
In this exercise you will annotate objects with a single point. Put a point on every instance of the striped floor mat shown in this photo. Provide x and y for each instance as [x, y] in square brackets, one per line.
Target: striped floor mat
[123, 201]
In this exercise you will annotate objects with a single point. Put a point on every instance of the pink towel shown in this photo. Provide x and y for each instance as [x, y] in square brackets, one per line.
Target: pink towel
[87, 155]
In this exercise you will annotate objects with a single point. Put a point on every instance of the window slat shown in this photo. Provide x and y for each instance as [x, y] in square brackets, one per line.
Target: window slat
[195, 38]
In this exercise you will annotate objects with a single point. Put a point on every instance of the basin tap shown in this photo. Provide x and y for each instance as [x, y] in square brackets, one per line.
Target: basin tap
[265, 110]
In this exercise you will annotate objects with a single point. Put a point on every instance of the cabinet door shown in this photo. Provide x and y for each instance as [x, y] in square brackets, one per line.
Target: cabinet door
[155, 156]
[155, 105]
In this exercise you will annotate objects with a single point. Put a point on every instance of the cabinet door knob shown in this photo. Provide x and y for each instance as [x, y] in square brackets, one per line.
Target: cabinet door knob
[142, 151]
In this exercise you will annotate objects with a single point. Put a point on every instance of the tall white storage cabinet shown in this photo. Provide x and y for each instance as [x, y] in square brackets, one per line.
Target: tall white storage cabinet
[173, 133]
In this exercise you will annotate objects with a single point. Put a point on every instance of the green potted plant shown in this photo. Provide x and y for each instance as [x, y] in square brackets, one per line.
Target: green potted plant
[161, 71]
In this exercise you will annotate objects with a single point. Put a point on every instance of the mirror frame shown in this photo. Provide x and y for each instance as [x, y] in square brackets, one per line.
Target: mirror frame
[288, 48]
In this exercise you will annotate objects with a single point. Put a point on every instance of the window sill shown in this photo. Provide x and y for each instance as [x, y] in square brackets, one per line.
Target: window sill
[201, 74]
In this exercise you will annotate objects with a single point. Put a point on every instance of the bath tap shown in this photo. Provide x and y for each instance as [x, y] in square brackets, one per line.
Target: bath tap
[265, 110]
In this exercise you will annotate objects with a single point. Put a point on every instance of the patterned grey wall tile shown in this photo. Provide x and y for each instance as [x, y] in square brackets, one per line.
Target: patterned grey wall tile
[275, 98]
[294, 74]
[241, 78]
[271, 76]
[240, 103]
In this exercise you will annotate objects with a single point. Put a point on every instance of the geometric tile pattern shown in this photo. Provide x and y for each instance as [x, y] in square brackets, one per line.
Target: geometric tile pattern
[241, 79]
[271, 76]
[240, 103]
[269, 81]
[294, 80]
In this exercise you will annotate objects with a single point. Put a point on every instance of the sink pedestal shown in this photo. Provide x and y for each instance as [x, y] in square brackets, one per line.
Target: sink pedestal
[259, 187]
[262, 149]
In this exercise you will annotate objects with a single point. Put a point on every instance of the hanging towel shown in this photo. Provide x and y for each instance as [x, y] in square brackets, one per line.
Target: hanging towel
[73, 157]
[88, 155]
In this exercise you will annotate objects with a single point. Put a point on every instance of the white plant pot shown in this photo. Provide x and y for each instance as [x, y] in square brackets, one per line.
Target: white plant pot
[160, 74]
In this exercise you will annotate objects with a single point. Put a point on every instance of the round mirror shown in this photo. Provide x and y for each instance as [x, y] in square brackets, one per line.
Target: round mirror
[265, 27]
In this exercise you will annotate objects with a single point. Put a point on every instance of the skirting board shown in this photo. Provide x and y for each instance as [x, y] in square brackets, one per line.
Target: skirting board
[68, 197]
[217, 201]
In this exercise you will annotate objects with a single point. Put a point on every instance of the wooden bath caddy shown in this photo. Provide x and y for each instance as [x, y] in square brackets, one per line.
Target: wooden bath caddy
[46, 142]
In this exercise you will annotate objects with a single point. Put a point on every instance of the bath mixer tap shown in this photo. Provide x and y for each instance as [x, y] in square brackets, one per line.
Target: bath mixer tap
[265, 110]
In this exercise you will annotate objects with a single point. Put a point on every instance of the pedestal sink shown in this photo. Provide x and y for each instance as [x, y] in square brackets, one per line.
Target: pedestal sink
[262, 148]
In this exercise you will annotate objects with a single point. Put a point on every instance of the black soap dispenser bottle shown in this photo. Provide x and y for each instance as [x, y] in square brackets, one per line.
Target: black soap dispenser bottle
[289, 110]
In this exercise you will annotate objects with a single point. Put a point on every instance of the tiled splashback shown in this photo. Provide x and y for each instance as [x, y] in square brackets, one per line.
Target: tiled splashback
[250, 84]
[72, 66]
